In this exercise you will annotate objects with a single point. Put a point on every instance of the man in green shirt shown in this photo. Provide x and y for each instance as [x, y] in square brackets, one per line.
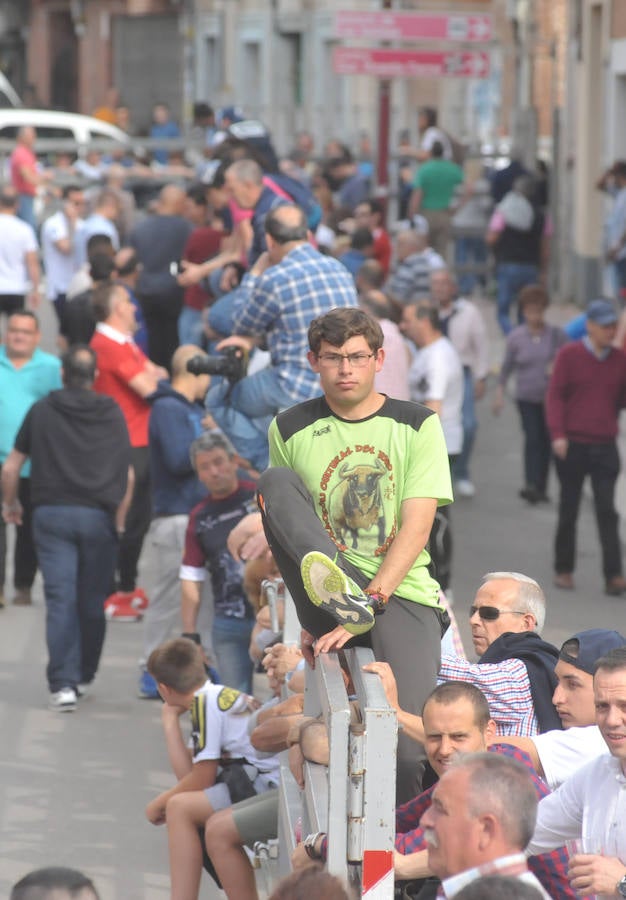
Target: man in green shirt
[348, 506]
[433, 190]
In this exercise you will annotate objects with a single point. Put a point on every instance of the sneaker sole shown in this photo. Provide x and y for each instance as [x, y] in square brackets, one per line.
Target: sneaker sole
[328, 587]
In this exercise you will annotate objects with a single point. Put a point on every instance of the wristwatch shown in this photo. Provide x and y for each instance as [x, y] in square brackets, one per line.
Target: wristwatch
[309, 845]
[621, 887]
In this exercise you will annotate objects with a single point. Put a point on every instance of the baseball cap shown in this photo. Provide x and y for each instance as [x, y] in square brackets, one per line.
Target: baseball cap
[602, 312]
[232, 113]
[592, 645]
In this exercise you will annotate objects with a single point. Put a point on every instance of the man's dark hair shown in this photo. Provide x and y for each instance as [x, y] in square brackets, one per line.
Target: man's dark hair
[100, 243]
[425, 309]
[129, 266]
[101, 266]
[102, 299]
[376, 205]
[202, 111]
[619, 168]
[284, 233]
[41, 883]
[8, 197]
[197, 194]
[613, 661]
[372, 273]
[70, 189]
[28, 313]
[436, 151]
[498, 887]
[339, 325]
[450, 692]
[430, 114]
[361, 238]
[337, 161]
[79, 366]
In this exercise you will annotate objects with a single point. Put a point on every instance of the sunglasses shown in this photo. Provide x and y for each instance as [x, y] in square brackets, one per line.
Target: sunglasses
[491, 613]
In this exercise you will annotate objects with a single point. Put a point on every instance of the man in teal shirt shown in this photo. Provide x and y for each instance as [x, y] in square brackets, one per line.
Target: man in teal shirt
[26, 375]
[433, 189]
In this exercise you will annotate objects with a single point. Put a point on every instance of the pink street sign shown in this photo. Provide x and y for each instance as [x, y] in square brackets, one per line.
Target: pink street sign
[390, 63]
[396, 26]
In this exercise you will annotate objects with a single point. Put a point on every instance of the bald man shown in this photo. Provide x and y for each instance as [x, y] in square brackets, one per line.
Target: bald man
[160, 241]
[288, 286]
[415, 260]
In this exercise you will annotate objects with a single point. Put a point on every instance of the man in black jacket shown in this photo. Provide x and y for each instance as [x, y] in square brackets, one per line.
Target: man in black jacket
[81, 483]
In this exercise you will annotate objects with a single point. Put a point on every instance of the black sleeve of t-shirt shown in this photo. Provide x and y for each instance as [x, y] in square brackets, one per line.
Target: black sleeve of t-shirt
[23, 437]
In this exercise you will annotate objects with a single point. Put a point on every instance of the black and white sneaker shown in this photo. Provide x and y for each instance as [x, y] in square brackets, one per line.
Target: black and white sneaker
[329, 587]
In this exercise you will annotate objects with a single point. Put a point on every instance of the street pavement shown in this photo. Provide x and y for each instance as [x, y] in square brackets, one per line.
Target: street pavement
[73, 787]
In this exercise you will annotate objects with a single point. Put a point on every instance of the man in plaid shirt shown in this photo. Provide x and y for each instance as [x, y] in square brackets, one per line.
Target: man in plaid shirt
[288, 286]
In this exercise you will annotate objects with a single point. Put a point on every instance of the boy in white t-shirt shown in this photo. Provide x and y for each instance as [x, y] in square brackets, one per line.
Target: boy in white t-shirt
[219, 767]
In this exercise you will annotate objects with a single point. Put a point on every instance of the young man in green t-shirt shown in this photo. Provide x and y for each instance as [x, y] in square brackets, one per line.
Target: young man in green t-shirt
[348, 506]
[433, 192]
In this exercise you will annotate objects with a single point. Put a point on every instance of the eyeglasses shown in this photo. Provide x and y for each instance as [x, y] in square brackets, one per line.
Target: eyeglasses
[334, 360]
[491, 613]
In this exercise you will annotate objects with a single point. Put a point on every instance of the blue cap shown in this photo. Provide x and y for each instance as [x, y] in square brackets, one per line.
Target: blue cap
[232, 113]
[602, 312]
[592, 645]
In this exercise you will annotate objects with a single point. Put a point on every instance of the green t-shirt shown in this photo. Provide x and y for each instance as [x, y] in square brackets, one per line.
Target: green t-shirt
[437, 179]
[358, 474]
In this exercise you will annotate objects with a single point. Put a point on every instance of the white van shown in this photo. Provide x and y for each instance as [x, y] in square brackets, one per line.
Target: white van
[75, 131]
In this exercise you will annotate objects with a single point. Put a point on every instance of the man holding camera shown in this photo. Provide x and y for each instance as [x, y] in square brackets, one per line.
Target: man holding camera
[288, 286]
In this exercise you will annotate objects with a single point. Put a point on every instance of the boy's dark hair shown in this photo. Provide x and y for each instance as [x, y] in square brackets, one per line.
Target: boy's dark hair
[312, 881]
[79, 366]
[533, 295]
[436, 151]
[43, 883]
[178, 664]
[339, 325]
[70, 189]
[430, 114]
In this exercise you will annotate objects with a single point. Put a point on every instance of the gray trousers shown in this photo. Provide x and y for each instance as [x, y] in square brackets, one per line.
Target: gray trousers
[162, 556]
[407, 635]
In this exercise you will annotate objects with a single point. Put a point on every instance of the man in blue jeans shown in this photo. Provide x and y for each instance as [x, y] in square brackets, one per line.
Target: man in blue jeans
[81, 483]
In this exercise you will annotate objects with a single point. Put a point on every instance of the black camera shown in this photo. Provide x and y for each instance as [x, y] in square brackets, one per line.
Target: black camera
[232, 364]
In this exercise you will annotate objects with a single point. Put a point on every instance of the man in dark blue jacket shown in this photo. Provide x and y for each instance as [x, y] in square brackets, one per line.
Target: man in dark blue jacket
[176, 419]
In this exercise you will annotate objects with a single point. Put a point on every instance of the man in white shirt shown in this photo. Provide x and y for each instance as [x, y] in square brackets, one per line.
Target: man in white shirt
[436, 380]
[557, 754]
[59, 246]
[591, 805]
[481, 819]
[463, 324]
[19, 262]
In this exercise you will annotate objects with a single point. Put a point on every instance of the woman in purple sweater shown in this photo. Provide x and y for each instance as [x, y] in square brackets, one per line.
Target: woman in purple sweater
[530, 351]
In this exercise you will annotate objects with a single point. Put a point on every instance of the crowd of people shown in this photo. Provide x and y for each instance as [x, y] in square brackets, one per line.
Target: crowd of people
[257, 380]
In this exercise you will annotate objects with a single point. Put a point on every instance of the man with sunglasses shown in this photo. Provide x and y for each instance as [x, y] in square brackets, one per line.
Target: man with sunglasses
[515, 669]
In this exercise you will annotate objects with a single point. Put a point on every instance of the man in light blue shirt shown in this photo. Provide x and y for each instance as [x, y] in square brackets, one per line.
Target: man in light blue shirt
[26, 375]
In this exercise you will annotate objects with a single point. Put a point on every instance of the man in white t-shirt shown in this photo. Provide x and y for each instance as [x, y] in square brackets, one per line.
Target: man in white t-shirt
[436, 381]
[558, 754]
[59, 246]
[19, 262]
[436, 374]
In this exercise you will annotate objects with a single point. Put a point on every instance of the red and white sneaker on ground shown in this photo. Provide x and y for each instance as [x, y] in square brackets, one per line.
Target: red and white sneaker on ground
[118, 608]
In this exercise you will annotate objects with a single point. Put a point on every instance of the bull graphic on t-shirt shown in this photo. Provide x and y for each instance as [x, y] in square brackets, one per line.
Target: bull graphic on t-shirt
[356, 502]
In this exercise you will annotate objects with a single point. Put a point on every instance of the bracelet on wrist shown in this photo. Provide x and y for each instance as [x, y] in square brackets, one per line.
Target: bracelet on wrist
[192, 636]
[378, 599]
[309, 845]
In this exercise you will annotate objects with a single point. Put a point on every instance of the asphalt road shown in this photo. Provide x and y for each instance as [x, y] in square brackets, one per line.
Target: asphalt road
[73, 787]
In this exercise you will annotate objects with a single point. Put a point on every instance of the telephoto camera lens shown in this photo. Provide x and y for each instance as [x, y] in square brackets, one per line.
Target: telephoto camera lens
[232, 364]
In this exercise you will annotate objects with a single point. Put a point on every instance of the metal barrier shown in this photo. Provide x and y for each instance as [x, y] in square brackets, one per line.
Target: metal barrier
[352, 799]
